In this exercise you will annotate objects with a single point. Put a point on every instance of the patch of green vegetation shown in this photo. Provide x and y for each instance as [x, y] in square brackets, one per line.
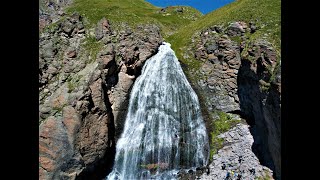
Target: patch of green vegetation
[134, 12]
[57, 109]
[73, 83]
[219, 126]
[71, 87]
[264, 178]
[265, 14]
[236, 39]
[265, 88]
[92, 46]
[50, 28]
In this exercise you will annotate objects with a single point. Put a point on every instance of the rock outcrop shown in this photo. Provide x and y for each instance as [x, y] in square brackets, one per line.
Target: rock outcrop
[242, 76]
[236, 159]
[219, 71]
[83, 96]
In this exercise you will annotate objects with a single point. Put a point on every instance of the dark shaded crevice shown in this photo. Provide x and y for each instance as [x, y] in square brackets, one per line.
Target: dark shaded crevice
[251, 109]
[131, 71]
[110, 81]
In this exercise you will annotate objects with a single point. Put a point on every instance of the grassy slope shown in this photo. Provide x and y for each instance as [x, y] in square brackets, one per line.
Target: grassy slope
[134, 12]
[178, 28]
[265, 12]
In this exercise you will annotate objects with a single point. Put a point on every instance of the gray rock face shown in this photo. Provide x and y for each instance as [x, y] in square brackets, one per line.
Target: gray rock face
[102, 29]
[60, 55]
[236, 157]
[237, 28]
[244, 77]
[218, 73]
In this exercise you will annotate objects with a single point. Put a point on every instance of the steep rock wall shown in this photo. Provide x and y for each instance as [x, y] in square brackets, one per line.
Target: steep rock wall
[242, 76]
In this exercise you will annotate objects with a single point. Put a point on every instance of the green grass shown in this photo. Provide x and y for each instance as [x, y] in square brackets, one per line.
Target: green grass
[264, 178]
[266, 15]
[92, 46]
[219, 126]
[133, 12]
[179, 28]
[73, 82]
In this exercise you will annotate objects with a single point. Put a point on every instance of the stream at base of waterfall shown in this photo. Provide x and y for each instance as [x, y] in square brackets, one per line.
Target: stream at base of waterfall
[164, 131]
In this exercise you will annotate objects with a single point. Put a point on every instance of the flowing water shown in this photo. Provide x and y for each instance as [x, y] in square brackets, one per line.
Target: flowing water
[164, 130]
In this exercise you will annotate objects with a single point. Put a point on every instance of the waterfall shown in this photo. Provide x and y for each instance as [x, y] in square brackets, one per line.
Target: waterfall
[164, 131]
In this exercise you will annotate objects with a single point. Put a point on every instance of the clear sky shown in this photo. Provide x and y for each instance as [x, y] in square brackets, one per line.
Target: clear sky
[205, 6]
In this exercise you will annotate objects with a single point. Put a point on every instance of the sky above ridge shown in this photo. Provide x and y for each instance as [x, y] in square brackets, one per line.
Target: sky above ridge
[204, 6]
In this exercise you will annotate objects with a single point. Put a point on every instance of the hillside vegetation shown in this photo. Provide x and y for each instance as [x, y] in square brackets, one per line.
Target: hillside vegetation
[178, 28]
[265, 14]
[134, 12]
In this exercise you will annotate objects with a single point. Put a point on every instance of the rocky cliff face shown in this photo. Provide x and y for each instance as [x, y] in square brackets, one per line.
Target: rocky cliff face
[242, 76]
[85, 78]
[84, 96]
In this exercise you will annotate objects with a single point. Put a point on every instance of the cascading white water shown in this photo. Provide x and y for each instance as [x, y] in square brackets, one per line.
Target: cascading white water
[164, 130]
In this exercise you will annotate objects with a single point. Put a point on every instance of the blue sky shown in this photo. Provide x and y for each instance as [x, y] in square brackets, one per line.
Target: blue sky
[205, 6]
